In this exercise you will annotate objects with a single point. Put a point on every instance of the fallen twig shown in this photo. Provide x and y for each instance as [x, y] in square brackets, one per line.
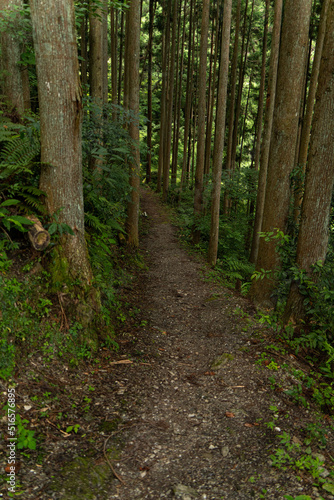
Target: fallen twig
[109, 463]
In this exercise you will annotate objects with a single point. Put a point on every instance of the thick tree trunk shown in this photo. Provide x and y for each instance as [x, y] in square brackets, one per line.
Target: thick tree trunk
[132, 70]
[291, 68]
[15, 76]
[306, 128]
[220, 133]
[268, 122]
[198, 197]
[59, 94]
[314, 227]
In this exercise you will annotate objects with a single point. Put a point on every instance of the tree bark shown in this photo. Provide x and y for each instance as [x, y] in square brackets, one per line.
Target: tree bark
[198, 197]
[59, 92]
[261, 90]
[164, 92]
[292, 59]
[231, 114]
[95, 52]
[169, 110]
[211, 91]
[15, 76]
[306, 128]
[178, 98]
[149, 93]
[132, 70]
[187, 117]
[113, 44]
[314, 227]
[83, 51]
[220, 133]
[267, 128]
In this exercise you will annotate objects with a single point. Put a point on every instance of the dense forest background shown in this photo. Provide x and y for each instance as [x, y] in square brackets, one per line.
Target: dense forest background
[225, 108]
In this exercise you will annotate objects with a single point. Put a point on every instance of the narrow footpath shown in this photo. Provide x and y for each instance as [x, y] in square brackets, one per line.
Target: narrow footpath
[194, 420]
[194, 399]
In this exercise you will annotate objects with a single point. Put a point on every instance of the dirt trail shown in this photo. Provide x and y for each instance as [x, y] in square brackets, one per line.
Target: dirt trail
[196, 430]
[179, 410]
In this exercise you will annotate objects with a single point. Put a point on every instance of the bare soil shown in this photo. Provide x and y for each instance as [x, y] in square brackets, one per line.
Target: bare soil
[180, 410]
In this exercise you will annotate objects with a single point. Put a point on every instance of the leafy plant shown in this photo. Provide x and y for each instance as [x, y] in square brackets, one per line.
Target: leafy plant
[25, 437]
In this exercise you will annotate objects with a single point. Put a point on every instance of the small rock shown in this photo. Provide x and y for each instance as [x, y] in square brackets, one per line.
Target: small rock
[221, 361]
[181, 490]
[225, 451]
[324, 473]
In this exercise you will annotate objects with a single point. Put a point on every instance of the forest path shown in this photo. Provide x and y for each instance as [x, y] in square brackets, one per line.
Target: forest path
[191, 420]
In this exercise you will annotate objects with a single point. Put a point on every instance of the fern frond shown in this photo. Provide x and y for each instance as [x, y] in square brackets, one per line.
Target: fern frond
[94, 222]
[17, 155]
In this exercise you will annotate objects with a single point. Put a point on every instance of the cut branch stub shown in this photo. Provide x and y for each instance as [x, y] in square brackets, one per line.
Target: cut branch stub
[38, 236]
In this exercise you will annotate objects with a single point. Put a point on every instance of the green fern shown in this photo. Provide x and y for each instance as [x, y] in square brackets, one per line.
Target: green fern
[17, 156]
[8, 128]
[92, 221]
[237, 269]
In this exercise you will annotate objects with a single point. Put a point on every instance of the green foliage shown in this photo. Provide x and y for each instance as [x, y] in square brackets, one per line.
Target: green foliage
[25, 437]
[19, 157]
[8, 220]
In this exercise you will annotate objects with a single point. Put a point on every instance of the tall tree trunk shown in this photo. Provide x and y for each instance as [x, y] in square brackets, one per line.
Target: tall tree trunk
[105, 52]
[245, 118]
[178, 96]
[164, 92]
[59, 94]
[198, 197]
[95, 53]
[132, 70]
[267, 128]
[242, 73]
[290, 76]
[187, 118]
[314, 227]
[231, 114]
[120, 63]
[16, 81]
[83, 51]
[149, 93]
[220, 133]
[306, 128]
[169, 114]
[261, 90]
[211, 90]
[113, 53]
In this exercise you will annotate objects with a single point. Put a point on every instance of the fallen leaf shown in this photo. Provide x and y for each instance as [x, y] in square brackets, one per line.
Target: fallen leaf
[249, 425]
[229, 414]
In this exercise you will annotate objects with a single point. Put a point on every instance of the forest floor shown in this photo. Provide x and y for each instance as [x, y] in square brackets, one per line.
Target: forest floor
[194, 404]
